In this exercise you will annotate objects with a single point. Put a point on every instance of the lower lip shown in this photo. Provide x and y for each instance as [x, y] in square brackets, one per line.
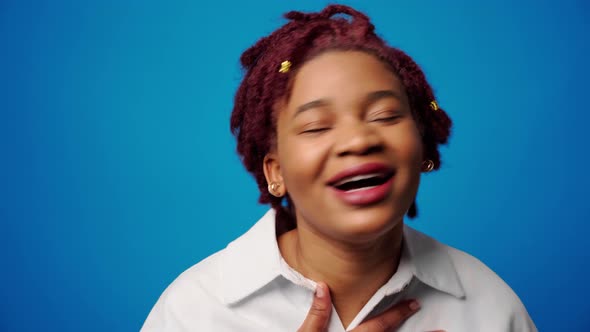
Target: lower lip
[365, 196]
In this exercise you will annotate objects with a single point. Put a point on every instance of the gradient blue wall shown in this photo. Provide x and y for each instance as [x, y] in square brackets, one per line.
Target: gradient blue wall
[118, 170]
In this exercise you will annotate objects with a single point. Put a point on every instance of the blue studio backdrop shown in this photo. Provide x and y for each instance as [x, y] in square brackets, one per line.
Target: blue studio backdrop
[118, 170]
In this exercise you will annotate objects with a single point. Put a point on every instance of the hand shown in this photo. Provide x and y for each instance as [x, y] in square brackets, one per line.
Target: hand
[319, 315]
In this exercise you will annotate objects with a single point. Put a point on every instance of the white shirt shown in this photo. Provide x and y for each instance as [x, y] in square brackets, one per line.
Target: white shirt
[249, 287]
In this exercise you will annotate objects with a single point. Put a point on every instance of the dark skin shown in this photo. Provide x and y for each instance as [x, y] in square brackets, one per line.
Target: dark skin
[319, 315]
[353, 276]
[345, 109]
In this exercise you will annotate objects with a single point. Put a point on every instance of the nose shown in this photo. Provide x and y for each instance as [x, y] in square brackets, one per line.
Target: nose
[359, 138]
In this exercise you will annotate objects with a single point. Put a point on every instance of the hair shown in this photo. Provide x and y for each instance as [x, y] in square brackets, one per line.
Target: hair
[305, 36]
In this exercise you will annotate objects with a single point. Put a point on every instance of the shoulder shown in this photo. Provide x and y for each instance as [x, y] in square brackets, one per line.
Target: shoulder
[203, 277]
[479, 292]
[487, 292]
[191, 299]
[478, 280]
[201, 297]
[434, 258]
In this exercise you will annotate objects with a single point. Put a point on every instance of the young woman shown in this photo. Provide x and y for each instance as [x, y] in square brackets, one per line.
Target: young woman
[337, 127]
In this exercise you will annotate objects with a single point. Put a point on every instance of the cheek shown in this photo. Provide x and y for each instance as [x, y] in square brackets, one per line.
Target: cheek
[302, 162]
[408, 146]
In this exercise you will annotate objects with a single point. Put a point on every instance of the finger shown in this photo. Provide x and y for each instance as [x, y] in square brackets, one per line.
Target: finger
[390, 319]
[319, 314]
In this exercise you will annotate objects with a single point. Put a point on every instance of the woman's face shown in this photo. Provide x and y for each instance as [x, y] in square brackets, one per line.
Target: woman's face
[348, 150]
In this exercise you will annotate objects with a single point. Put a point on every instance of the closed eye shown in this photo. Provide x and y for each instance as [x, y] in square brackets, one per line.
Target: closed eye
[315, 130]
[387, 119]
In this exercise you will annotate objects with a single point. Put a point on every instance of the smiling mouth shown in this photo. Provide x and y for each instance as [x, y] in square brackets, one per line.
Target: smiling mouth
[362, 182]
[363, 185]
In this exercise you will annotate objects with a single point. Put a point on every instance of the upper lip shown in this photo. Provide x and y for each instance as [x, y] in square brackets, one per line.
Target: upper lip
[362, 169]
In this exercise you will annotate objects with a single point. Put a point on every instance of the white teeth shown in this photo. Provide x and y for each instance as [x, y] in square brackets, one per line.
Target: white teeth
[357, 178]
[359, 189]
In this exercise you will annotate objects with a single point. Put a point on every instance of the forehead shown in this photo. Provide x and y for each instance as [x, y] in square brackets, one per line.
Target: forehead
[343, 74]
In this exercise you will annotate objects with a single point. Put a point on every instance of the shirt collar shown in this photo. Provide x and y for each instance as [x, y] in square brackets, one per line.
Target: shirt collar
[253, 260]
[432, 263]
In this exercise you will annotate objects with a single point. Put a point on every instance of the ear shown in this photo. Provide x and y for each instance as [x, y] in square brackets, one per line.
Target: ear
[272, 173]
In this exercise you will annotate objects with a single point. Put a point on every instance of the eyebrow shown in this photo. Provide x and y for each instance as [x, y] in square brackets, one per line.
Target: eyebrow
[371, 98]
[312, 104]
[381, 94]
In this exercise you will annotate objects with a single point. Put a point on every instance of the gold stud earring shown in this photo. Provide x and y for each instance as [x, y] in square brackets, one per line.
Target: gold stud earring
[427, 165]
[273, 189]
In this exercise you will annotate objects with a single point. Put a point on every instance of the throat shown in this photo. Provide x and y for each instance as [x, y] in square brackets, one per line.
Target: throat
[348, 307]
[353, 275]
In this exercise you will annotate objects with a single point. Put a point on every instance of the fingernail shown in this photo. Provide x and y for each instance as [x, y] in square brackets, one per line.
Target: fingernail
[414, 305]
[319, 291]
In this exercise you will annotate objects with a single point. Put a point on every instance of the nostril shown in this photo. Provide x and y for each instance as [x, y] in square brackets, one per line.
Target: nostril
[358, 139]
[374, 149]
[367, 150]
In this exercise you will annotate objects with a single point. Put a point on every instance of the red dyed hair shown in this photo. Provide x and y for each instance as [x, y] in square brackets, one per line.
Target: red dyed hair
[307, 35]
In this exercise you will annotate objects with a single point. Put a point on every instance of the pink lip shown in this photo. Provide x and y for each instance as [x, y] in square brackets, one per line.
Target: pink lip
[364, 196]
[367, 168]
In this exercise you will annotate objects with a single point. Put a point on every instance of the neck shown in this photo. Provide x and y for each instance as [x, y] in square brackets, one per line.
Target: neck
[353, 271]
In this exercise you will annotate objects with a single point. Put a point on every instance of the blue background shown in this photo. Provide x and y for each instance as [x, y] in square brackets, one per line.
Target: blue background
[118, 169]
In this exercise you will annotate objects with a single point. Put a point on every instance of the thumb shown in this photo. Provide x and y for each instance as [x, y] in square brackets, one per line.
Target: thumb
[319, 314]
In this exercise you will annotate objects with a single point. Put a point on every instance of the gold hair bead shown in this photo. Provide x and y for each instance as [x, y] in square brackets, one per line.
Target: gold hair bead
[285, 66]
[434, 105]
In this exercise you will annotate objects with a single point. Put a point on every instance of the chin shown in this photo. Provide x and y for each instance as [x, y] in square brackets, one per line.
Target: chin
[365, 225]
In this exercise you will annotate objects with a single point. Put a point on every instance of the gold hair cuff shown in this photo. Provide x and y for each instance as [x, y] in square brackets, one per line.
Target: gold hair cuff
[434, 105]
[285, 66]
